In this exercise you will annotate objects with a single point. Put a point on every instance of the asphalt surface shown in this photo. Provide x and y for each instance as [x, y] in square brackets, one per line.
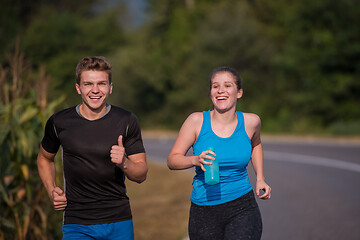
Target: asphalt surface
[315, 187]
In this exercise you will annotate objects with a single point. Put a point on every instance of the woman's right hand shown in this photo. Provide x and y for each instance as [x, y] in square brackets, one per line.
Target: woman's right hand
[200, 160]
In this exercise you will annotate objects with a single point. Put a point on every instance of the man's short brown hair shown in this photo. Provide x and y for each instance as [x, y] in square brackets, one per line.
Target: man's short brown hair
[97, 63]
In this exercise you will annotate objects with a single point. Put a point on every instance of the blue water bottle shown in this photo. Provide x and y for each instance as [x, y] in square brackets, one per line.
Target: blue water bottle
[212, 175]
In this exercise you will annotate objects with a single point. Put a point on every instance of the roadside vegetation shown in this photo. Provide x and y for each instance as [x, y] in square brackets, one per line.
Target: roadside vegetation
[299, 60]
[26, 212]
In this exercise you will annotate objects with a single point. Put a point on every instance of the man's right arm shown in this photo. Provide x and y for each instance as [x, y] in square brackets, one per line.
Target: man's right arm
[46, 168]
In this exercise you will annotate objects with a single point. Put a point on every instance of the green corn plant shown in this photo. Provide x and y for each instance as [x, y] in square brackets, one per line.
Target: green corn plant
[24, 205]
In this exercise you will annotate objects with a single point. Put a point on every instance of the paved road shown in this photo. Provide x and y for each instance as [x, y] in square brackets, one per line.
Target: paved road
[315, 188]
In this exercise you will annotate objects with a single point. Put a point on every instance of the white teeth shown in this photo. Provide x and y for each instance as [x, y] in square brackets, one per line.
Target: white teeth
[94, 97]
[221, 98]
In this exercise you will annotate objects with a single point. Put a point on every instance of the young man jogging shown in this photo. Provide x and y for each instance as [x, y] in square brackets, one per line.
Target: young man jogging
[101, 145]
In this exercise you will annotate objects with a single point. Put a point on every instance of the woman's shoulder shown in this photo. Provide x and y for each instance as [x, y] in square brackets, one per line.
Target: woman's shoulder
[196, 115]
[252, 116]
[191, 126]
[195, 118]
[252, 119]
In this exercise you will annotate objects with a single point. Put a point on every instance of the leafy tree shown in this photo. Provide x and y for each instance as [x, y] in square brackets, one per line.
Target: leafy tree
[16, 15]
[299, 60]
[304, 58]
[177, 52]
[316, 62]
[59, 40]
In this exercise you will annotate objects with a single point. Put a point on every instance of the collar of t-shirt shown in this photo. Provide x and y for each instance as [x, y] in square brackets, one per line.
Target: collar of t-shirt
[108, 107]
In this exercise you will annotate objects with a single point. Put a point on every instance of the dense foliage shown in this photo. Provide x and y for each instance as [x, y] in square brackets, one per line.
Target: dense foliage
[299, 60]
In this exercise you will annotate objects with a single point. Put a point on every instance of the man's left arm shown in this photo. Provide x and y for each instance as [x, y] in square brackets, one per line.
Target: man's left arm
[134, 166]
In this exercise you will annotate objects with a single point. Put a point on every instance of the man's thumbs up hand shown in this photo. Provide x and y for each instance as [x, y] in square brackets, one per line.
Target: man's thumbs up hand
[117, 152]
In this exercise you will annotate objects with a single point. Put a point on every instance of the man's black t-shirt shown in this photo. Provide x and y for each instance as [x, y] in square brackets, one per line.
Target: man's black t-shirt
[94, 186]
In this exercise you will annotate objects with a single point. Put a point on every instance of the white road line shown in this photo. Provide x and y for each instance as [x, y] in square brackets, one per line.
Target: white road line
[305, 159]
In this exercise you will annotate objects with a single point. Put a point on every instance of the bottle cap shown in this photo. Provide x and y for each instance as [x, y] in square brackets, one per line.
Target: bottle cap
[211, 149]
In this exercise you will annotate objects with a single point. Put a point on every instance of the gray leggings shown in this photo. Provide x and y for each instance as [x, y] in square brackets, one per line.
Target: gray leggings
[238, 219]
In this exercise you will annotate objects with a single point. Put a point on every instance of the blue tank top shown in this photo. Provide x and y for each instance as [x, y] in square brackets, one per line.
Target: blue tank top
[233, 153]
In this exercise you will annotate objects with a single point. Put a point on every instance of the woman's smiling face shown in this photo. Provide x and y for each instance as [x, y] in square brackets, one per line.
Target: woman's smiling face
[224, 92]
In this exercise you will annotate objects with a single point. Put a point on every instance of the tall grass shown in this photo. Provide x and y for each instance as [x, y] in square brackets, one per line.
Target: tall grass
[25, 212]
